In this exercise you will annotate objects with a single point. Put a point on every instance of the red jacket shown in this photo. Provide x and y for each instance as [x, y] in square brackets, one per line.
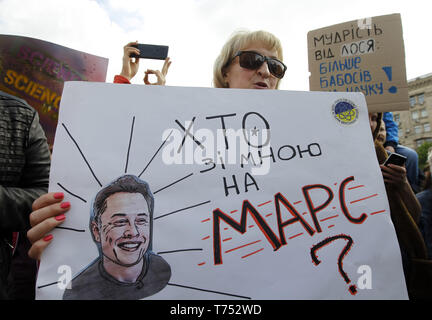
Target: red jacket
[120, 79]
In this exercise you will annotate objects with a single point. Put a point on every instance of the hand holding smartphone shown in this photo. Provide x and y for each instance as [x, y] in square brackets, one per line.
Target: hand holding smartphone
[150, 51]
[396, 159]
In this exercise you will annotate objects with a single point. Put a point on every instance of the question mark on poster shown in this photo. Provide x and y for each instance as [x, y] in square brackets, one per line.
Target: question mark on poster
[352, 288]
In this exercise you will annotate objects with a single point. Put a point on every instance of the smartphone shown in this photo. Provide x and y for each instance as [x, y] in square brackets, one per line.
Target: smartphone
[396, 159]
[151, 51]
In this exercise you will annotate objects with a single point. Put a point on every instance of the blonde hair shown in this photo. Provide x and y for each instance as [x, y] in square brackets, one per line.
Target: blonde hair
[238, 41]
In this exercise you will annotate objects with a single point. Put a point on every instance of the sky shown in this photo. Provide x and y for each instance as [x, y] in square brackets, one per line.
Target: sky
[196, 30]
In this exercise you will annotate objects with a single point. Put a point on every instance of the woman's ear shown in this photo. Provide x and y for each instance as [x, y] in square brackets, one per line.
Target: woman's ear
[225, 76]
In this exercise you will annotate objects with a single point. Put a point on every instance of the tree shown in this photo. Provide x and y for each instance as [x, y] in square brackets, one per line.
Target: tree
[422, 152]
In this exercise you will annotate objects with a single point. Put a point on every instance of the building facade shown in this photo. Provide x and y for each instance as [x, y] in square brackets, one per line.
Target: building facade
[415, 125]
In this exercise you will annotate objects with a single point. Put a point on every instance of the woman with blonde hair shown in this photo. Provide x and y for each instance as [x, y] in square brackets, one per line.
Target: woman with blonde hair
[250, 60]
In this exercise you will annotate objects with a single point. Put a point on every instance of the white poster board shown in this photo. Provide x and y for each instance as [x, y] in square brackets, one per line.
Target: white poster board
[311, 222]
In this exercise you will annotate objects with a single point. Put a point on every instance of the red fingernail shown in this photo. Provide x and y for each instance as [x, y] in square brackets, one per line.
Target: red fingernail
[48, 237]
[65, 205]
[60, 217]
[58, 195]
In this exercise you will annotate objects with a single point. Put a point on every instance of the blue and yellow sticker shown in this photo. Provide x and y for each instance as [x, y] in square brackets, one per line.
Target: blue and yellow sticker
[345, 111]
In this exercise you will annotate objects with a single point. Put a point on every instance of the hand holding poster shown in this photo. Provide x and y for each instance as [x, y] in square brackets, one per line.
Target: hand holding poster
[196, 193]
[35, 70]
[361, 56]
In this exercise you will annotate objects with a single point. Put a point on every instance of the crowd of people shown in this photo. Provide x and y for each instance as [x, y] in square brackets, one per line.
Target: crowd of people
[248, 60]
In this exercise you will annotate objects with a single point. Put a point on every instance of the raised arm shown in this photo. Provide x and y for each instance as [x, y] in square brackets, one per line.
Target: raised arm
[130, 65]
[160, 75]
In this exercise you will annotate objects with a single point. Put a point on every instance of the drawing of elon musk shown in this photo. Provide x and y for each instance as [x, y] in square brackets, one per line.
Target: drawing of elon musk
[121, 225]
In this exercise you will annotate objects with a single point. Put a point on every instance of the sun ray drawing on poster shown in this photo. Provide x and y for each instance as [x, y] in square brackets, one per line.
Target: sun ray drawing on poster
[71, 193]
[211, 291]
[82, 154]
[179, 210]
[129, 146]
[157, 151]
[71, 229]
[173, 183]
[180, 250]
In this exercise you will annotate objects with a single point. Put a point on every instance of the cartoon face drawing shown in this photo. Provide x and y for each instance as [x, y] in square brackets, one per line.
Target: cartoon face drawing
[121, 221]
[124, 228]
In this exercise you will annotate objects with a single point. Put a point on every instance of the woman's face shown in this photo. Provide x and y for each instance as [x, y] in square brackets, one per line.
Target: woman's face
[373, 121]
[382, 133]
[261, 78]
